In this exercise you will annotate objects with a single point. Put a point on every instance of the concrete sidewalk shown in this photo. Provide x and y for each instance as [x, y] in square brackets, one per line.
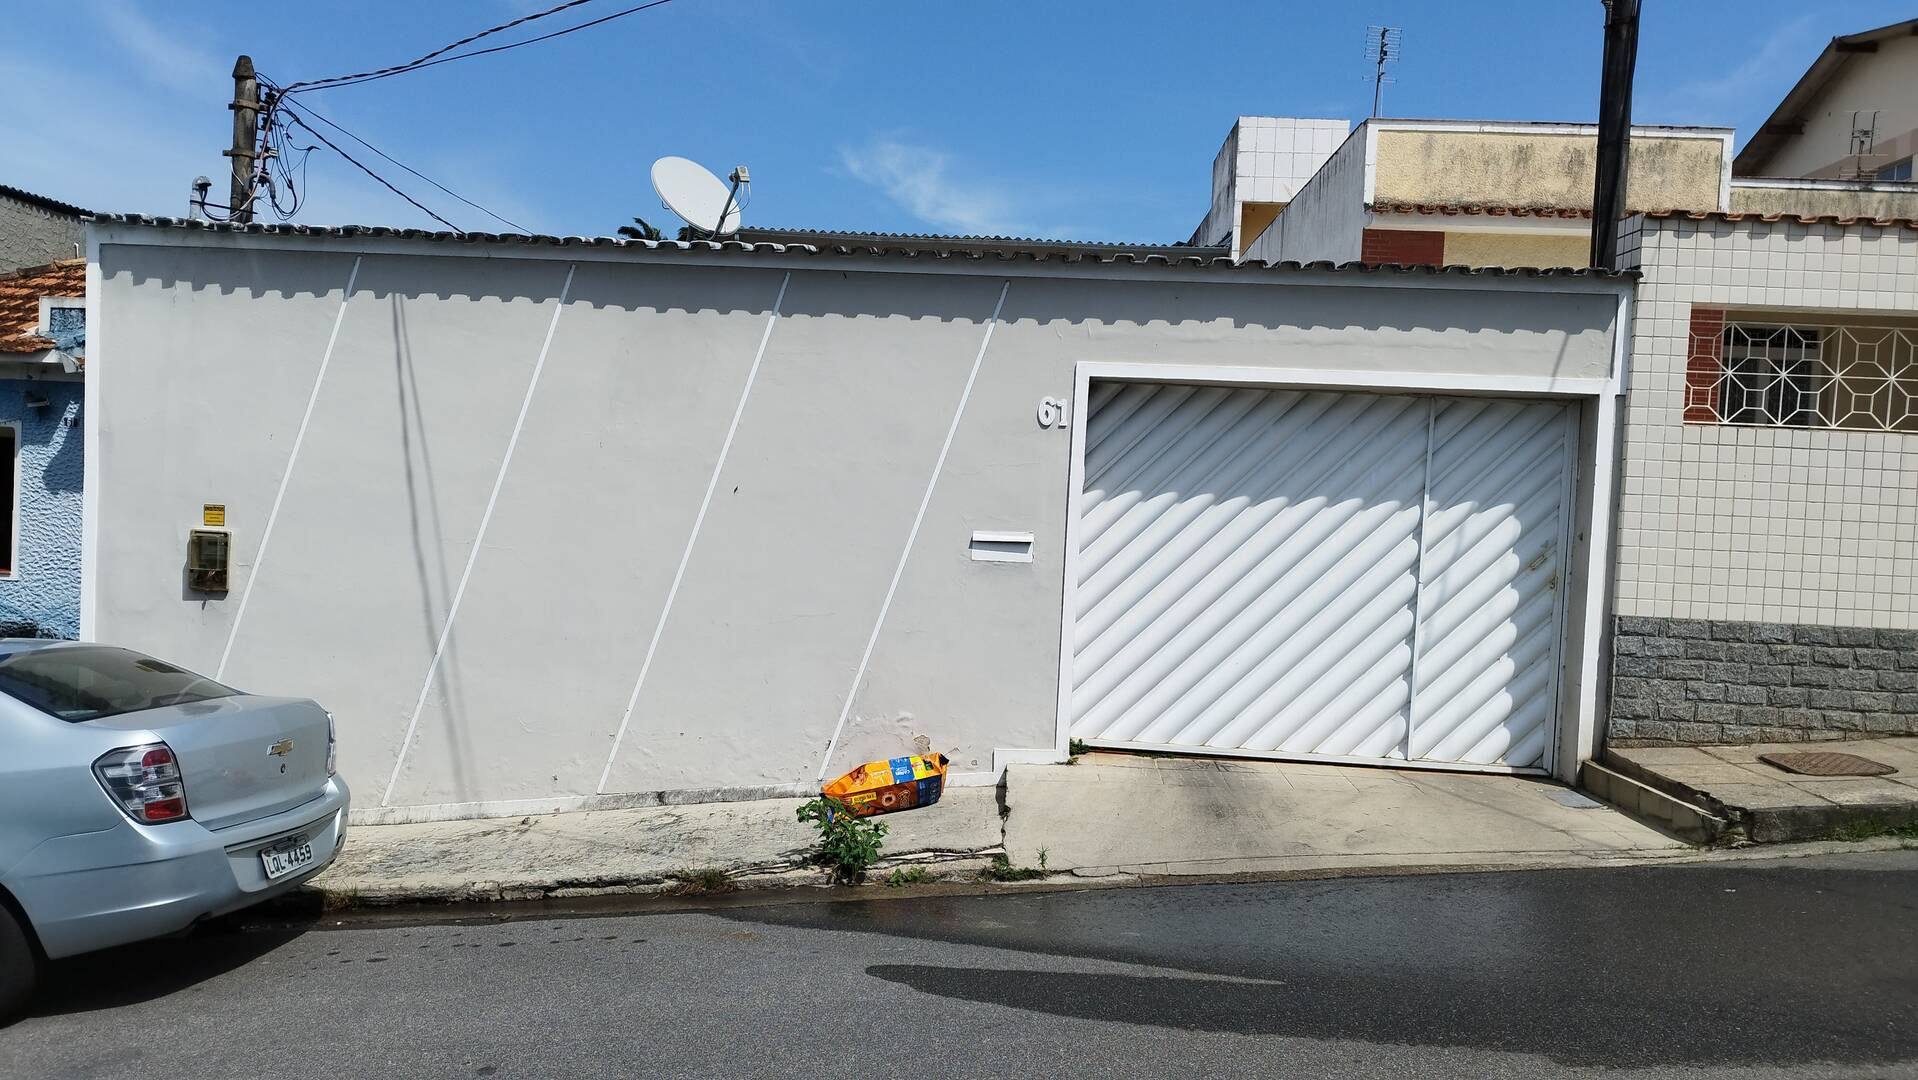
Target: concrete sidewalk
[1129, 814]
[1108, 814]
[1747, 799]
[638, 850]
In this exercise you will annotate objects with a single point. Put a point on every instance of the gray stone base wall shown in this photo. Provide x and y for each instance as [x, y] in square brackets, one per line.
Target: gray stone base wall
[1679, 681]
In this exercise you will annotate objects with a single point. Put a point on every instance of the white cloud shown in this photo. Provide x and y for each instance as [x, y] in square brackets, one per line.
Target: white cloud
[160, 56]
[1723, 98]
[920, 180]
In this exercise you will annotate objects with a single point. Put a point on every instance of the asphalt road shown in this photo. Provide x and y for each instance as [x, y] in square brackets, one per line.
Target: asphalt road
[1789, 968]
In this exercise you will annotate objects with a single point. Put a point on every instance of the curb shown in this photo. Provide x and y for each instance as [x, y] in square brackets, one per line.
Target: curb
[319, 898]
[482, 902]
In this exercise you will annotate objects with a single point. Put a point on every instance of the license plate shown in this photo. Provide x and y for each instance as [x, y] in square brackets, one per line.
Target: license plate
[286, 858]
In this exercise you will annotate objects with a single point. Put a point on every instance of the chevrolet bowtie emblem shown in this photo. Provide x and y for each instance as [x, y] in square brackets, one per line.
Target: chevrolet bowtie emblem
[281, 748]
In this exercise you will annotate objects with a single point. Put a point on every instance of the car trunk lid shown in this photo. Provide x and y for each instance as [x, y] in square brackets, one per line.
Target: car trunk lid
[240, 757]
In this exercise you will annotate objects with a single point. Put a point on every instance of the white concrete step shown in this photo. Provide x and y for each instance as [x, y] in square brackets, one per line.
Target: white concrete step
[1648, 804]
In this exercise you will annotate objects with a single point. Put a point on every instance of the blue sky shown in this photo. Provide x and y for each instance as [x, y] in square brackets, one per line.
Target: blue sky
[1066, 118]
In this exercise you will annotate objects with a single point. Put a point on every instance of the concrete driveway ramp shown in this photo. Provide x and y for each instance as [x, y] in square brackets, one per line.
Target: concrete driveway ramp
[1121, 813]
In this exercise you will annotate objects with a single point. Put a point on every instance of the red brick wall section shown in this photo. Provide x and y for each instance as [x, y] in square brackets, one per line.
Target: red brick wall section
[1404, 247]
[1704, 364]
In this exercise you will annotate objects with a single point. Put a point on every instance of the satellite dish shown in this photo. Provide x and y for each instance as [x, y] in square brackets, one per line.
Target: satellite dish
[702, 199]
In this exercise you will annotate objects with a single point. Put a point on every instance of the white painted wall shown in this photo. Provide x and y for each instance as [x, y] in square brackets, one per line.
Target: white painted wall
[1326, 219]
[209, 352]
[1264, 159]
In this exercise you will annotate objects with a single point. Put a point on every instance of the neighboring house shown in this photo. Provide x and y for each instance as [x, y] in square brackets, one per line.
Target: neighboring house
[1768, 531]
[35, 230]
[555, 523]
[1768, 514]
[1852, 116]
[1767, 540]
[1482, 193]
[42, 346]
[1259, 169]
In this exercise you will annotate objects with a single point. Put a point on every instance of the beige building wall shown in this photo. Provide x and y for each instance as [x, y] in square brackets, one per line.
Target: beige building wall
[1763, 524]
[1517, 249]
[1254, 218]
[1804, 200]
[1881, 81]
[1544, 169]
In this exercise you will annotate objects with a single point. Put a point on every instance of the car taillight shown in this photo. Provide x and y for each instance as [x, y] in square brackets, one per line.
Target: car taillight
[332, 748]
[145, 781]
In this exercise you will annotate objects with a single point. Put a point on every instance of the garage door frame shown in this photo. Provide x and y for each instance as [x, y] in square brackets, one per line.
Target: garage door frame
[1574, 732]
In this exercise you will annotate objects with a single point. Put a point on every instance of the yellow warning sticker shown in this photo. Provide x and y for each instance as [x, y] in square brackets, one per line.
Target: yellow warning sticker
[213, 514]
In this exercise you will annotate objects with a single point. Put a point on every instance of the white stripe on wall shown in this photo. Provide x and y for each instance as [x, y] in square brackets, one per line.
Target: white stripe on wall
[912, 537]
[699, 519]
[286, 478]
[479, 539]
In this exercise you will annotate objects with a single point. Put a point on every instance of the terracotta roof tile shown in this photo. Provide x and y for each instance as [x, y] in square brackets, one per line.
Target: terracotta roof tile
[1801, 219]
[20, 294]
[1480, 210]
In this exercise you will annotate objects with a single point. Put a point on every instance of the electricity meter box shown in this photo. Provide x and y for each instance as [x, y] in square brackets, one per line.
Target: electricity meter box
[208, 552]
[883, 787]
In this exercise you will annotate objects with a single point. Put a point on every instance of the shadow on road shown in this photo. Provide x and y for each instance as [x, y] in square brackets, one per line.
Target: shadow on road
[1483, 1017]
[1624, 967]
[149, 970]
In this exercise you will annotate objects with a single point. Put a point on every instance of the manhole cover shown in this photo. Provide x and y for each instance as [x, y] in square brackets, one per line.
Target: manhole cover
[1826, 763]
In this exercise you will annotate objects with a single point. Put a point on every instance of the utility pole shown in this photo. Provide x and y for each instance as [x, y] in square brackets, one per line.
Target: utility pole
[246, 119]
[1614, 129]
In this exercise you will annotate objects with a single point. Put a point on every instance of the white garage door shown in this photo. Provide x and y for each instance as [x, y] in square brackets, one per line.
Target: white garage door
[1308, 574]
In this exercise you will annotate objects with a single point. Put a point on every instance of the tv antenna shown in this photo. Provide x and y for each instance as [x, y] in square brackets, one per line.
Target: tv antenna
[700, 198]
[1382, 47]
[1864, 141]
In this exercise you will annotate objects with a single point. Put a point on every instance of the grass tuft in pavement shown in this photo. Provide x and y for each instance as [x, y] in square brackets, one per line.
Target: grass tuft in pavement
[704, 881]
[1003, 870]
[1854, 831]
[910, 875]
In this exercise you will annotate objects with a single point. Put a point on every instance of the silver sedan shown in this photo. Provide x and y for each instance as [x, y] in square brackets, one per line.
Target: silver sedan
[137, 798]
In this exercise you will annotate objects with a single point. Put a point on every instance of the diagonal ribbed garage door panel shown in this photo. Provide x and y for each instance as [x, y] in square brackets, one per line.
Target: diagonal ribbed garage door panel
[1151, 511]
[1207, 574]
[1258, 584]
[1320, 574]
[1493, 577]
[1201, 519]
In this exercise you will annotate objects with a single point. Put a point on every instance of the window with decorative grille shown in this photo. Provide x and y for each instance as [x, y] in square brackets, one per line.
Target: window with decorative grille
[1802, 375]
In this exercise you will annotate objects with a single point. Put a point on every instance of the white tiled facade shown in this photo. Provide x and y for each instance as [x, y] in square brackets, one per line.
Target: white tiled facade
[1277, 154]
[1761, 524]
[1264, 159]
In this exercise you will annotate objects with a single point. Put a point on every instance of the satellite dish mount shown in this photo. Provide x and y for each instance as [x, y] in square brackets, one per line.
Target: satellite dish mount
[701, 200]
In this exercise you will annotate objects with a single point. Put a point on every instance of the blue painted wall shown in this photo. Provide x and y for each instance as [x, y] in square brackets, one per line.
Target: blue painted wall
[45, 588]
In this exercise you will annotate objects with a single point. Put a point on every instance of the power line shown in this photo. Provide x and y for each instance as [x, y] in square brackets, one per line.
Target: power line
[437, 57]
[277, 100]
[468, 40]
[310, 111]
[310, 130]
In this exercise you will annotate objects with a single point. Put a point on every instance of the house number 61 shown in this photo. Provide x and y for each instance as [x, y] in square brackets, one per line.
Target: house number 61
[1054, 412]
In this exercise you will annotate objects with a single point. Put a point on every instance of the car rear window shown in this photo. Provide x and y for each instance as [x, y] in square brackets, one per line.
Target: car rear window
[87, 682]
